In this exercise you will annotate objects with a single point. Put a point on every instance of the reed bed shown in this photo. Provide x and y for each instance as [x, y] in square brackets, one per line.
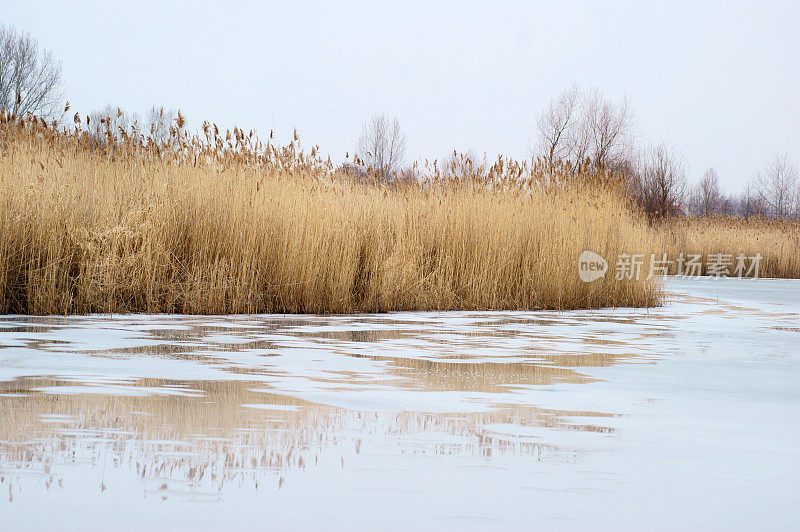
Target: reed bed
[223, 223]
[777, 242]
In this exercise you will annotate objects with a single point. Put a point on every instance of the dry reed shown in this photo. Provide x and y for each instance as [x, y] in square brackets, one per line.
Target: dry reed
[95, 220]
[115, 222]
[778, 242]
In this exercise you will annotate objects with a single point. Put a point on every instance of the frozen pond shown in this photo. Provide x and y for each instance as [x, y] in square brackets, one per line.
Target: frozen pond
[683, 416]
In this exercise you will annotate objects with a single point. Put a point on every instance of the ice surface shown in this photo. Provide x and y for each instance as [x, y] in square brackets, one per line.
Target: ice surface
[681, 416]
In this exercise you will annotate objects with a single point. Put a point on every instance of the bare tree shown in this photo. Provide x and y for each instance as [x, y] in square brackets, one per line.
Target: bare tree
[706, 197]
[576, 126]
[778, 187]
[728, 205]
[660, 182]
[750, 203]
[608, 128]
[558, 126]
[382, 144]
[30, 78]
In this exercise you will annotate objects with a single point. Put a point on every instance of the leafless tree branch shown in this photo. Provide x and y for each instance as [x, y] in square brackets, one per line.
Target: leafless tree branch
[778, 187]
[30, 78]
[382, 144]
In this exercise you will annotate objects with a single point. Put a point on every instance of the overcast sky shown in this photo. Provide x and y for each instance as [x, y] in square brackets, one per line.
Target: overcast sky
[718, 81]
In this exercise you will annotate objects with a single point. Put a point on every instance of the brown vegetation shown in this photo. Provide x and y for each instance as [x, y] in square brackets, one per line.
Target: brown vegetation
[778, 242]
[223, 223]
[101, 218]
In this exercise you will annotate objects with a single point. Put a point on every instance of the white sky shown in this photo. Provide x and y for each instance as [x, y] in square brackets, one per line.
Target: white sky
[719, 81]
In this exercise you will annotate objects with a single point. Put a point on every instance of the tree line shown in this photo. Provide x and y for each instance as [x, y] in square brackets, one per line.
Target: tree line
[586, 127]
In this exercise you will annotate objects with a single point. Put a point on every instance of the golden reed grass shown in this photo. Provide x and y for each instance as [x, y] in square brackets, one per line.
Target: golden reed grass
[230, 225]
[113, 221]
[778, 242]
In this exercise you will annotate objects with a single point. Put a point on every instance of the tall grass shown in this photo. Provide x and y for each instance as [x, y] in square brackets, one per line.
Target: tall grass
[114, 222]
[778, 242]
